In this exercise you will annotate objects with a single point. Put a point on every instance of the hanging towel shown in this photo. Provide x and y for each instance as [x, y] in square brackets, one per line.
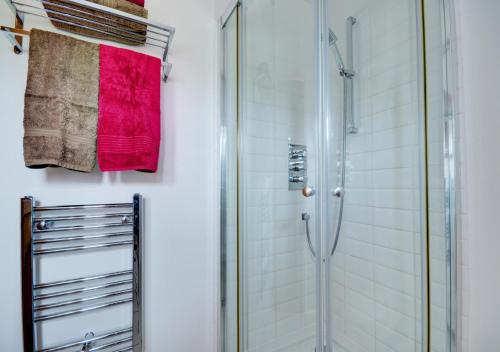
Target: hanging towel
[128, 136]
[61, 102]
[122, 30]
[138, 2]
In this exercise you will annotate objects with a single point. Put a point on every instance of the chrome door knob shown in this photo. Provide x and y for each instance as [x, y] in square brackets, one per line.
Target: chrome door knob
[308, 191]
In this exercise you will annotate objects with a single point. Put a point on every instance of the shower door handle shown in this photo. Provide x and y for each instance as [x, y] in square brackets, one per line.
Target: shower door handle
[339, 192]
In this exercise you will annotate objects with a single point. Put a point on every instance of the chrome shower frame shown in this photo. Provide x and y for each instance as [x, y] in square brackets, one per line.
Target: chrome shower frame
[451, 174]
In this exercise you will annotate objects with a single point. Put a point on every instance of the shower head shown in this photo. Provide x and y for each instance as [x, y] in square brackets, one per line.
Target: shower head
[332, 39]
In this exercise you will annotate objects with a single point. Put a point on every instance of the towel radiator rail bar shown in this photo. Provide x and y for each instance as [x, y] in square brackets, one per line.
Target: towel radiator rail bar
[82, 238]
[84, 217]
[83, 279]
[86, 341]
[78, 228]
[64, 298]
[84, 207]
[81, 300]
[65, 293]
[81, 310]
[81, 248]
[111, 344]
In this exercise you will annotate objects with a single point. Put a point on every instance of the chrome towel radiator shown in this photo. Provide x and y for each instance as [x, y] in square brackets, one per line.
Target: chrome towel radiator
[60, 232]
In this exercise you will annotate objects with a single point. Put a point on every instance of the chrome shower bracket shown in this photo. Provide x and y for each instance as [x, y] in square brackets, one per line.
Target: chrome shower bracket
[15, 40]
[166, 66]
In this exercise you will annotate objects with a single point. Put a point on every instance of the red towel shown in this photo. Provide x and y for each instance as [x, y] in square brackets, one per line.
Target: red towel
[138, 2]
[128, 135]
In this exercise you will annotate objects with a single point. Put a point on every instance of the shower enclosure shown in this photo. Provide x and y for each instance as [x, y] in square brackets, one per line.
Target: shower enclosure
[336, 210]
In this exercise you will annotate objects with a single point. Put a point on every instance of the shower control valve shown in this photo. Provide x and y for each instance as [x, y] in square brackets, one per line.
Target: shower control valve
[297, 167]
[296, 179]
[297, 154]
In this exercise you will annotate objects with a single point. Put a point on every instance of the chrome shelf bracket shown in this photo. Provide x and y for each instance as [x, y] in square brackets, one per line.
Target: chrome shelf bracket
[15, 40]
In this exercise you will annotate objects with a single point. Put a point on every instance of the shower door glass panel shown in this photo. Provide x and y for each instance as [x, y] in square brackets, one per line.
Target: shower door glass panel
[374, 284]
[278, 281]
[444, 201]
[229, 188]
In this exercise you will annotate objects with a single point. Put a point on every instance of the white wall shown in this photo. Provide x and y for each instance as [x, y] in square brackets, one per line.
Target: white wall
[480, 54]
[180, 245]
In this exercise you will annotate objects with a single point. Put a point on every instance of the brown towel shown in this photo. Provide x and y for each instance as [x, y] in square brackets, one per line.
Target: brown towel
[61, 102]
[127, 32]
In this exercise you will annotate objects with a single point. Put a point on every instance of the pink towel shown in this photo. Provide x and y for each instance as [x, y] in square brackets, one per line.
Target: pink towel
[138, 2]
[128, 135]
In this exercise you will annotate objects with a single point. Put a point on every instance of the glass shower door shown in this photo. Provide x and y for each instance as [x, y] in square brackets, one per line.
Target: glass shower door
[279, 280]
[373, 276]
[229, 187]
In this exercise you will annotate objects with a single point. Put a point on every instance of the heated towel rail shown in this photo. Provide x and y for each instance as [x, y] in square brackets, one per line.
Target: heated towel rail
[95, 18]
[59, 231]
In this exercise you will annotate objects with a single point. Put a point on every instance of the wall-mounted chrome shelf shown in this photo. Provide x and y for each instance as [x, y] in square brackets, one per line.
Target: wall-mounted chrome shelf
[93, 17]
[60, 231]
